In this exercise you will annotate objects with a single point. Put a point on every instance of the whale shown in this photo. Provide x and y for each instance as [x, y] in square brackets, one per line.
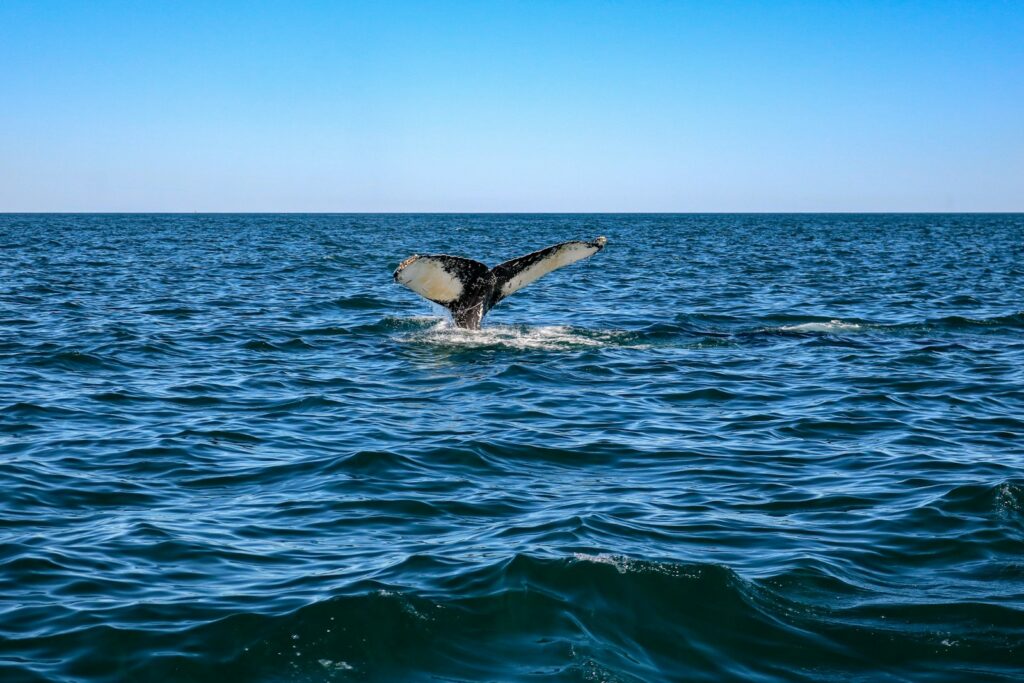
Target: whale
[469, 289]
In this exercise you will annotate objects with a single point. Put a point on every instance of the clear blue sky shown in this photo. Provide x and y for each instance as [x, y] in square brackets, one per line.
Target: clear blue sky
[511, 106]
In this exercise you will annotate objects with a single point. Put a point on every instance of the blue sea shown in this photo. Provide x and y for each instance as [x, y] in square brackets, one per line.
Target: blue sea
[726, 448]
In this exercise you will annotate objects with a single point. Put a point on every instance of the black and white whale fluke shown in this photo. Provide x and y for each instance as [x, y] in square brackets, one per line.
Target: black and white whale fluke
[469, 289]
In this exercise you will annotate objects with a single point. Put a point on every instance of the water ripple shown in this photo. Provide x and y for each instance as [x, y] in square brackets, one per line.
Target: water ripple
[772, 448]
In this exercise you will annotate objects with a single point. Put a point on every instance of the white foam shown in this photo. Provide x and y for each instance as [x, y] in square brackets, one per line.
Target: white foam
[337, 666]
[548, 337]
[626, 565]
[826, 328]
[622, 564]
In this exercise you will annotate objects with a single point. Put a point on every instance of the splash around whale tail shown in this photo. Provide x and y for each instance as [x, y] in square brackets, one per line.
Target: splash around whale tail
[469, 288]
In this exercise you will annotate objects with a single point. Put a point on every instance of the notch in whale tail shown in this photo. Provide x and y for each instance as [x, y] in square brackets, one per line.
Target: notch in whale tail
[469, 288]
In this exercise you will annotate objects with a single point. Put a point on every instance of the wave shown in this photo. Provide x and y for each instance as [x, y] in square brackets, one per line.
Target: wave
[830, 327]
[75, 360]
[956, 322]
[265, 346]
[591, 616]
[173, 312]
[359, 302]
[946, 323]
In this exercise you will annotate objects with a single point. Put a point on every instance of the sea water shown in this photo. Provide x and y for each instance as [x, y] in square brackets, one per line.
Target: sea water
[728, 447]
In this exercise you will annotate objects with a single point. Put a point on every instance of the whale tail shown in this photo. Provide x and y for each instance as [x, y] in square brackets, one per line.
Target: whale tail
[469, 288]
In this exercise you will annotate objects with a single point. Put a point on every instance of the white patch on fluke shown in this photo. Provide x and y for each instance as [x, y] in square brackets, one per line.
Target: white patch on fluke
[567, 254]
[429, 278]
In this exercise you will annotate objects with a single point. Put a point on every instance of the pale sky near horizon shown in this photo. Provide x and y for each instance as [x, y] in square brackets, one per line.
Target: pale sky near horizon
[511, 106]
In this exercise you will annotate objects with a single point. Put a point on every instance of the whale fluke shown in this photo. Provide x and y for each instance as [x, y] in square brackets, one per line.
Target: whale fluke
[469, 288]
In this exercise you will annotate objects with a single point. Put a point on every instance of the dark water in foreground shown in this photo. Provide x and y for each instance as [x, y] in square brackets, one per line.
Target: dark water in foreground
[762, 448]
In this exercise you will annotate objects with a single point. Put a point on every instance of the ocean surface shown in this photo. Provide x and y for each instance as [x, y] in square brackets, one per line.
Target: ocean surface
[728, 447]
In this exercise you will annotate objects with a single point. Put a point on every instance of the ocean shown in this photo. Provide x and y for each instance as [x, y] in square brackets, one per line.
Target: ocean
[727, 447]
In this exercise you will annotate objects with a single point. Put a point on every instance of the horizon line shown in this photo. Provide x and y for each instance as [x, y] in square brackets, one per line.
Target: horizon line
[499, 213]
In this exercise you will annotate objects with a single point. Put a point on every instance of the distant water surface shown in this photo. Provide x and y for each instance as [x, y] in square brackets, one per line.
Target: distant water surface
[751, 447]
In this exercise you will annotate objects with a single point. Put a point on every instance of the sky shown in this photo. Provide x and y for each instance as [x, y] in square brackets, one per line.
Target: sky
[544, 106]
